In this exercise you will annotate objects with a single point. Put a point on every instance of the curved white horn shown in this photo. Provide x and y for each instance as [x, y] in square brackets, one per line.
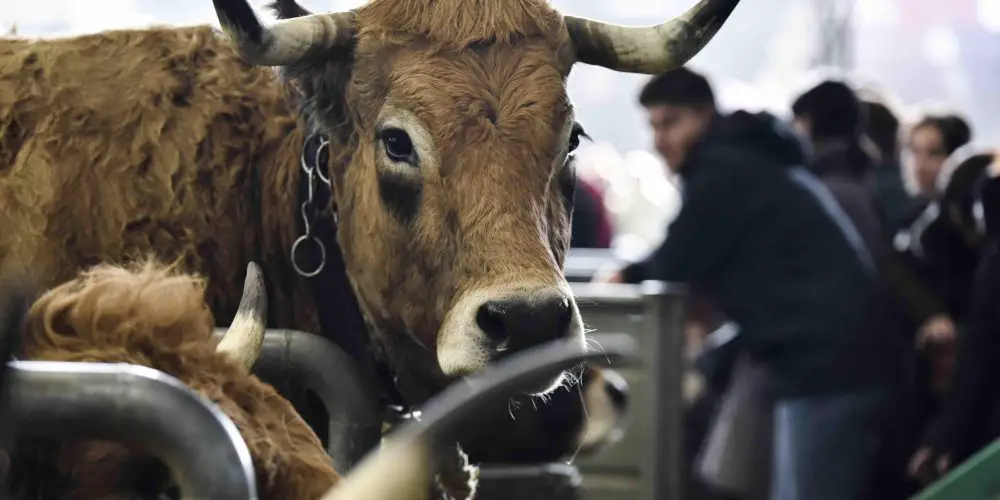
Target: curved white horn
[286, 42]
[401, 470]
[245, 336]
[649, 49]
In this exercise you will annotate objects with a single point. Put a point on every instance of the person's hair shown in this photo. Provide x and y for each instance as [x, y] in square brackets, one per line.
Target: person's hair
[679, 87]
[833, 109]
[955, 131]
[882, 129]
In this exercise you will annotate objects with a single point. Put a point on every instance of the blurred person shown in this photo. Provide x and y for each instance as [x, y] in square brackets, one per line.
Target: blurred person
[931, 270]
[835, 121]
[931, 140]
[681, 120]
[677, 123]
[766, 240]
[933, 290]
[940, 259]
[968, 420]
[831, 116]
[890, 191]
[591, 224]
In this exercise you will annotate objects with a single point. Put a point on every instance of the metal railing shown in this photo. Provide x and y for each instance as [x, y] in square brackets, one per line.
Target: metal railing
[308, 360]
[426, 439]
[648, 463]
[138, 406]
[583, 263]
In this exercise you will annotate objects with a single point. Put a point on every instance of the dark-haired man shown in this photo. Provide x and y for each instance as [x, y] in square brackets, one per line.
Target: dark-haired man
[766, 240]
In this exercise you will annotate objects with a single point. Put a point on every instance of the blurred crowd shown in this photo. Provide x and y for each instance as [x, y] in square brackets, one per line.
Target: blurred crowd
[843, 268]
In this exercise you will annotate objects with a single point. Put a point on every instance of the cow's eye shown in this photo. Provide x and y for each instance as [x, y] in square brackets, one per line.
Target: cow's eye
[398, 146]
[574, 137]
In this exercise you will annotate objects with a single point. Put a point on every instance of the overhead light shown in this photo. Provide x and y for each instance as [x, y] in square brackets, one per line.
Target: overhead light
[988, 14]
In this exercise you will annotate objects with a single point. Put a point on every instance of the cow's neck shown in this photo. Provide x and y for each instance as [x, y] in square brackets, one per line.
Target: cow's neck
[317, 258]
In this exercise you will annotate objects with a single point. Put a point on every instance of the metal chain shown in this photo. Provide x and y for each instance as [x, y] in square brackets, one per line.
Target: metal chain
[309, 211]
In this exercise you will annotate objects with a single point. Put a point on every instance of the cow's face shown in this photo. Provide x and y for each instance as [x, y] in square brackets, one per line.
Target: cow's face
[455, 205]
[453, 129]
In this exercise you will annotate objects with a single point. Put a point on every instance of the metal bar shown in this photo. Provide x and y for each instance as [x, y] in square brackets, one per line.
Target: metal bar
[652, 312]
[516, 373]
[664, 331]
[355, 419]
[443, 414]
[14, 302]
[424, 439]
[582, 264]
[138, 406]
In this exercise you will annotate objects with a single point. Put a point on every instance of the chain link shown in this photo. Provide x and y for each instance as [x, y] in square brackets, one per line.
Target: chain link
[309, 210]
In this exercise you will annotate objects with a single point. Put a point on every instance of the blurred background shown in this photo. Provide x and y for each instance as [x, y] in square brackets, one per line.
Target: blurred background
[921, 53]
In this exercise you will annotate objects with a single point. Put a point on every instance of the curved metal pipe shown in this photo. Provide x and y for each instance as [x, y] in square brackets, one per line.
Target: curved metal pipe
[355, 417]
[135, 405]
[412, 448]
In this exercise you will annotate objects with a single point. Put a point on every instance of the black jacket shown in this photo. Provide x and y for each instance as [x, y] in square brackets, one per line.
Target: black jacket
[890, 193]
[966, 421]
[845, 169]
[754, 235]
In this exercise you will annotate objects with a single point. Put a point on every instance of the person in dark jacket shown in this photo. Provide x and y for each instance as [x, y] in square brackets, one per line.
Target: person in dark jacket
[967, 421]
[831, 116]
[768, 242]
[844, 159]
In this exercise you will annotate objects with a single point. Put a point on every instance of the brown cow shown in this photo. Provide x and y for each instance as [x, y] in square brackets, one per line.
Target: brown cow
[449, 129]
[149, 315]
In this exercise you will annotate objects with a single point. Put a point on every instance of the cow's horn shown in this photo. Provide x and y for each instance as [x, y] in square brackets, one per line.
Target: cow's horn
[649, 49]
[286, 42]
[401, 469]
[245, 336]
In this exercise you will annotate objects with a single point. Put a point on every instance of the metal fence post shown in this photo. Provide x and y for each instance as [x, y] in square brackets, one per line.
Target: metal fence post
[664, 306]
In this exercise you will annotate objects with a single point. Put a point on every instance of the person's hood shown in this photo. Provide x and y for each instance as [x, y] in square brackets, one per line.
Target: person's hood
[761, 135]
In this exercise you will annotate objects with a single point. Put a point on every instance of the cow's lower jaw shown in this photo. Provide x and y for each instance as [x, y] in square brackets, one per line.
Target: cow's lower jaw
[488, 324]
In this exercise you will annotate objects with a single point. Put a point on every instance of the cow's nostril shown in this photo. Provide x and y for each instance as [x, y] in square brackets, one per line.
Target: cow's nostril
[562, 314]
[491, 318]
[525, 322]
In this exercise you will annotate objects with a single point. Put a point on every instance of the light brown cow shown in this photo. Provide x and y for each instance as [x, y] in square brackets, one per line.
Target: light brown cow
[153, 316]
[450, 131]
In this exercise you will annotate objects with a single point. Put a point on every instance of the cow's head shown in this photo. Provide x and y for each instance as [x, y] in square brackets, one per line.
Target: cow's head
[451, 131]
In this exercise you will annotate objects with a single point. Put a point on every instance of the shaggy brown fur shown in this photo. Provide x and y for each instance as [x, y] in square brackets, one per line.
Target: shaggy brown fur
[121, 143]
[148, 315]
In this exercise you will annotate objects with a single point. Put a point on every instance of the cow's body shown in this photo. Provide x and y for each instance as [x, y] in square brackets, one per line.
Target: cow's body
[123, 143]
